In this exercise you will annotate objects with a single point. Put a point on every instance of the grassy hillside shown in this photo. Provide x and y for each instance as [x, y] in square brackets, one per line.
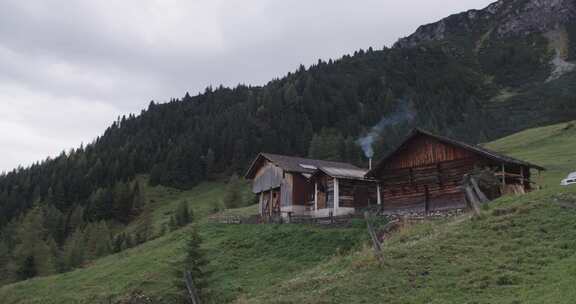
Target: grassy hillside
[521, 250]
[553, 147]
[241, 256]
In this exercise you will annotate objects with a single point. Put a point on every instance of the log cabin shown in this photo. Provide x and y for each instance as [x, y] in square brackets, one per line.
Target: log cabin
[289, 185]
[425, 173]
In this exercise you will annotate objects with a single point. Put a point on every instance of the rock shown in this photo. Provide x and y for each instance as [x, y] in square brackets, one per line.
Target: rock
[504, 18]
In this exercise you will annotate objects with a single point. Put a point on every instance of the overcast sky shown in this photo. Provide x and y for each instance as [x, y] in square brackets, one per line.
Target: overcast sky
[68, 68]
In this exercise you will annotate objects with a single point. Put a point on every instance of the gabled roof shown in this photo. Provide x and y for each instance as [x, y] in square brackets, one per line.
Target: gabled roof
[495, 156]
[296, 164]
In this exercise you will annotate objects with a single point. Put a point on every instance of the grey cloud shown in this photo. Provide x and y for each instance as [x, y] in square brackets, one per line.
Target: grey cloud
[111, 57]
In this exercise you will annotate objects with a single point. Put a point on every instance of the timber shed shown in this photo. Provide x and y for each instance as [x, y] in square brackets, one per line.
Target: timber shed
[303, 186]
[342, 191]
[426, 171]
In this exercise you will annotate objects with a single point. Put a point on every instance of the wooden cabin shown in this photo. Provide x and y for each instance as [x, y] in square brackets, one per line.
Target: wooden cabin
[340, 191]
[425, 173]
[301, 186]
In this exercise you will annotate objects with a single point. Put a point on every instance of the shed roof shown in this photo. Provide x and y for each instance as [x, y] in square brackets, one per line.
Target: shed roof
[356, 174]
[296, 164]
[487, 153]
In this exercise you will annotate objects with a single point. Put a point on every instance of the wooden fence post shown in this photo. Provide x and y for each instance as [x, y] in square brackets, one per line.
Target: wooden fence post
[376, 245]
[192, 291]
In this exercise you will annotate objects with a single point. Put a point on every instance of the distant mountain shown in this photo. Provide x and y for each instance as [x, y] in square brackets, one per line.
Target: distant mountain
[474, 76]
[526, 51]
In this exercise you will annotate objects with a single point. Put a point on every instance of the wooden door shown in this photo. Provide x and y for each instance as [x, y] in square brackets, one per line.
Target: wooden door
[322, 200]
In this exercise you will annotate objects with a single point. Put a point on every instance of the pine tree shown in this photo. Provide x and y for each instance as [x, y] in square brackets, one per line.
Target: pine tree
[233, 196]
[97, 240]
[33, 256]
[75, 220]
[183, 214]
[138, 198]
[209, 163]
[145, 229]
[73, 255]
[195, 262]
[5, 258]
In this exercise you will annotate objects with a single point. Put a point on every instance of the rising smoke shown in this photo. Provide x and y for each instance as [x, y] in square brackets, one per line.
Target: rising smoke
[403, 113]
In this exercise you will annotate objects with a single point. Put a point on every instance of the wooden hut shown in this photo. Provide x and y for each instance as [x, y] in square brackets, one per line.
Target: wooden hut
[339, 191]
[425, 173]
[284, 185]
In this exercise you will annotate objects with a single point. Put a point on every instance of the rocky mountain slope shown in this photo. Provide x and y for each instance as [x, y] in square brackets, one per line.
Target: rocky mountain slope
[502, 19]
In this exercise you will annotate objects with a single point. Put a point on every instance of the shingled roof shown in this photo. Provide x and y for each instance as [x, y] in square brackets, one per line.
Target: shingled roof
[297, 164]
[495, 156]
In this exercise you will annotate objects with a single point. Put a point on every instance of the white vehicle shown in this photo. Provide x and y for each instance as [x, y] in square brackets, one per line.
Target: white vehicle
[570, 180]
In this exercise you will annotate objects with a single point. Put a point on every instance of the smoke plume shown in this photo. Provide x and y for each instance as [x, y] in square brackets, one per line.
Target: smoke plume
[402, 114]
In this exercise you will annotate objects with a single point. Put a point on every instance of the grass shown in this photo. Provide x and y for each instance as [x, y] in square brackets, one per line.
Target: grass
[241, 256]
[552, 147]
[520, 250]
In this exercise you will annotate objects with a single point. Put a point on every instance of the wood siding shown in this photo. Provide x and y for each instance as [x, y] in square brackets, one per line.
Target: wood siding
[302, 191]
[268, 177]
[329, 192]
[286, 191]
[426, 176]
[425, 150]
[356, 193]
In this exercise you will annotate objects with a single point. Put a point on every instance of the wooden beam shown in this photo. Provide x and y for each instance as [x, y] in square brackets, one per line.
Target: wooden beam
[503, 179]
[336, 194]
[522, 177]
[316, 195]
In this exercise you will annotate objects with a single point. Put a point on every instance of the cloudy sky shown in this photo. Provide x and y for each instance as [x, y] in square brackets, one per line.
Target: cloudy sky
[68, 68]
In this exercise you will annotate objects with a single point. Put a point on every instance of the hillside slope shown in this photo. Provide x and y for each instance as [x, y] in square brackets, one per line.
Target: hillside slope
[476, 76]
[521, 250]
[241, 256]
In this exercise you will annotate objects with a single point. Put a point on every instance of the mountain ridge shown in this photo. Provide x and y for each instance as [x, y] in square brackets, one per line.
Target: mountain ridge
[510, 17]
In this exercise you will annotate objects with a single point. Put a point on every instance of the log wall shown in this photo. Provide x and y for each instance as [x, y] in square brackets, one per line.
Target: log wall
[425, 150]
[432, 187]
[356, 193]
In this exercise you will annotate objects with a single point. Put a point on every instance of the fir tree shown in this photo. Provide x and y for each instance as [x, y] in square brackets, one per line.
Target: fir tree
[73, 254]
[195, 262]
[233, 196]
[32, 249]
[145, 229]
[183, 214]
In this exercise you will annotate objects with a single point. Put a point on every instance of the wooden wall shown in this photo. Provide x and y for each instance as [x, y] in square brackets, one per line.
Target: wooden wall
[302, 190]
[356, 193]
[426, 175]
[432, 187]
[424, 150]
[268, 176]
[329, 192]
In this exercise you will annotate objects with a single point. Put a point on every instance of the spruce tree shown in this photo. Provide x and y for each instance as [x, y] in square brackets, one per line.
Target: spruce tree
[196, 263]
[32, 253]
[233, 196]
[145, 230]
[183, 214]
[73, 255]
